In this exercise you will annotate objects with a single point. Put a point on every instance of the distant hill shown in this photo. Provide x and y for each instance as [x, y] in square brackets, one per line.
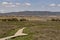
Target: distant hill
[31, 13]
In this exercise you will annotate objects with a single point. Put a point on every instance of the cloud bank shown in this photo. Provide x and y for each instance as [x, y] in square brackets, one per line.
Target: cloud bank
[11, 4]
[54, 5]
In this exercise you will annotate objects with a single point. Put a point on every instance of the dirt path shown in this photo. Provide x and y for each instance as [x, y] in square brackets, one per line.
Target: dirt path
[18, 33]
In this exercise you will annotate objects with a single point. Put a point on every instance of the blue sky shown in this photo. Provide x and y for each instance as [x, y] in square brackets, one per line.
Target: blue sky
[29, 5]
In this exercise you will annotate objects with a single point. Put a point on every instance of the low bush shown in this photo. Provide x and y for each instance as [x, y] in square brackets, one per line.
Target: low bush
[12, 19]
[23, 19]
[4, 19]
[55, 19]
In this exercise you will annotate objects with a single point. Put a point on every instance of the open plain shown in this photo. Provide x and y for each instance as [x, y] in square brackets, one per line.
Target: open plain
[37, 28]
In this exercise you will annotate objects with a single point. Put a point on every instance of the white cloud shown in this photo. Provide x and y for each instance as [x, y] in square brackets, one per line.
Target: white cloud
[13, 5]
[2, 11]
[10, 4]
[7, 4]
[4, 3]
[58, 5]
[18, 4]
[52, 5]
[27, 4]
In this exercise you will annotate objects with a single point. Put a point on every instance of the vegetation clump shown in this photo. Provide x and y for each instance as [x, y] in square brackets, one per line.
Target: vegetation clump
[12, 19]
[23, 19]
[55, 19]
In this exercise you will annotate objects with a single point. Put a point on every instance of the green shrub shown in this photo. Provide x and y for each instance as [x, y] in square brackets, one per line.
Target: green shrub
[55, 19]
[12, 19]
[23, 19]
[4, 19]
